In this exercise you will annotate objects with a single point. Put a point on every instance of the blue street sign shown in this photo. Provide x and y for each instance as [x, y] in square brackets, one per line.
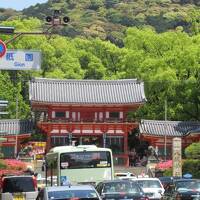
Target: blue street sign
[21, 60]
[2, 48]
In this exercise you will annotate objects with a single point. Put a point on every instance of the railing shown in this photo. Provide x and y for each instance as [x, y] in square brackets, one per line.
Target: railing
[91, 120]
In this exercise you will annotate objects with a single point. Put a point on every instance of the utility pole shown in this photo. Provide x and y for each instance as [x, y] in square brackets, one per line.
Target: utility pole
[165, 132]
[16, 115]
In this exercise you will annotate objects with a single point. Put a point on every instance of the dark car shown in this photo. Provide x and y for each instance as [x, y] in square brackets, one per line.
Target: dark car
[120, 189]
[183, 189]
[167, 180]
[76, 192]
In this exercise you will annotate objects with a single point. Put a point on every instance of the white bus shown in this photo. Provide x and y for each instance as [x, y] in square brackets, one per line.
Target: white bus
[79, 164]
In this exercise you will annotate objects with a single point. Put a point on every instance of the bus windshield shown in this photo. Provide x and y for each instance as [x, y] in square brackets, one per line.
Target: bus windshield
[85, 159]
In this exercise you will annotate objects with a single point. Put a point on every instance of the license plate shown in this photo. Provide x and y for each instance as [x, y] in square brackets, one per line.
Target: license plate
[18, 197]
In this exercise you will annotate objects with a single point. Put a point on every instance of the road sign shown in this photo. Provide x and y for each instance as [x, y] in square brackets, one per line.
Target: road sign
[21, 60]
[2, 48]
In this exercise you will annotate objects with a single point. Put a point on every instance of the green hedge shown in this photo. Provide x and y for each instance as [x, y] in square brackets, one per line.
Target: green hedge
[189, 166]
[192, 167]
[193, 151]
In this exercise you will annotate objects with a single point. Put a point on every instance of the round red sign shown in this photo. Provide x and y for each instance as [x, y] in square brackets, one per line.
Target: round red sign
[2, 48]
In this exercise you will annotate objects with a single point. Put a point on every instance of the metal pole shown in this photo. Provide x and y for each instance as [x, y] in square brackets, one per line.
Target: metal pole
[165, 133]
[17, 104]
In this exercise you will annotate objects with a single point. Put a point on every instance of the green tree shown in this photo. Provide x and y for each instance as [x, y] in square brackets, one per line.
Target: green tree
[193, 151]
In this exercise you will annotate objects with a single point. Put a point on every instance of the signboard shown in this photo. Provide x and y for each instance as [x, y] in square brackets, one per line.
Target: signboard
[177, 157]
[2, 48]
[21, 60]
[34, 149]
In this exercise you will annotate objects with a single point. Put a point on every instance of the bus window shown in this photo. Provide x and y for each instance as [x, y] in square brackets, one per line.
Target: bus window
[78, 160]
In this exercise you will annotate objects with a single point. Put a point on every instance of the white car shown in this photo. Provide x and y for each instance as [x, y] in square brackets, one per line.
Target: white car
[125, 175]
[152, 187]
[19, 187]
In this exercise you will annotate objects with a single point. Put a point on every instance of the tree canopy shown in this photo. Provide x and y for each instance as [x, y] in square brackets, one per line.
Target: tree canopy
[167, 62]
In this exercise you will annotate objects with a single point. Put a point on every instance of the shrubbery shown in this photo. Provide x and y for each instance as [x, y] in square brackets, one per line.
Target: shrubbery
[192, 167]
[193, 151]
[11, 166]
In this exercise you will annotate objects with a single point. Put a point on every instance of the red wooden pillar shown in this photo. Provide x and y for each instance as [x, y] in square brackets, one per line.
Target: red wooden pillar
[18, 144]
[126, 149]
[48, 138]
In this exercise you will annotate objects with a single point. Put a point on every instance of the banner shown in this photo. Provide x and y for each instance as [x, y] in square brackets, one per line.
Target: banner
[21, 60]
[177, 156]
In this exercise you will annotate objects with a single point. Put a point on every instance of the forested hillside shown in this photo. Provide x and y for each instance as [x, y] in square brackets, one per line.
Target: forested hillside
[166, 59]
[108, 19]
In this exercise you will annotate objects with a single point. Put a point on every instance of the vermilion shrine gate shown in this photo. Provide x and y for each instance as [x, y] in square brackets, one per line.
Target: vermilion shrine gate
[87, 112]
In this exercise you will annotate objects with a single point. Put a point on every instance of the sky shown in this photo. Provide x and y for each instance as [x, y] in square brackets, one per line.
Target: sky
[19, 4]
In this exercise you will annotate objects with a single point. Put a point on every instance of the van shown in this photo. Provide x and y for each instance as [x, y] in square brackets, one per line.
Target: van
[19, 187]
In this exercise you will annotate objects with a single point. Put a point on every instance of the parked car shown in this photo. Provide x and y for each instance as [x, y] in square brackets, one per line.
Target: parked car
[152, 187]
[167, 180]
[80, 192]
[19, 187]
[183, 189]
[125, 175]
[120, 189]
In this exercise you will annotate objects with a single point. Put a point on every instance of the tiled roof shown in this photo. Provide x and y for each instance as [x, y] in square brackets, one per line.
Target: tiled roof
[125, 91]
[170, 128]
[195, 131]
[15, 126]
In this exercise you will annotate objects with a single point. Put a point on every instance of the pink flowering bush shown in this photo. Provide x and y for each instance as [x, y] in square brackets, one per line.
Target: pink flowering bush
[15, 164]
[164, 165]
[11, 166]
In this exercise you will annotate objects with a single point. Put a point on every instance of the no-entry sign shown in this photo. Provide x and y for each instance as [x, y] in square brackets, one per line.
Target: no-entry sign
[2, 48]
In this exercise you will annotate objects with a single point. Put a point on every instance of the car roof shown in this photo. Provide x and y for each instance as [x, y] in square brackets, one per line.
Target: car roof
[20, 176]
[117, 181]
[123, 173]
[148, 179]
[184, 180]
[70, 187]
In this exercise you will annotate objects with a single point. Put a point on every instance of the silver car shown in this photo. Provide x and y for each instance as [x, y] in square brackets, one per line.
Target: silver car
[68, 192]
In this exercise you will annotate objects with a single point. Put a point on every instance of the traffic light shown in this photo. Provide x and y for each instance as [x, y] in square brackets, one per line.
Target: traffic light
[48, 19]
[56, 19]
[66, 19]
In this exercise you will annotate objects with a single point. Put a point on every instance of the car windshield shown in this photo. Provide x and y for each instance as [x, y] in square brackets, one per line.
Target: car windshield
[68, 194]
[117, 187]
[188, 185]
[149, 183]
[18, 184]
